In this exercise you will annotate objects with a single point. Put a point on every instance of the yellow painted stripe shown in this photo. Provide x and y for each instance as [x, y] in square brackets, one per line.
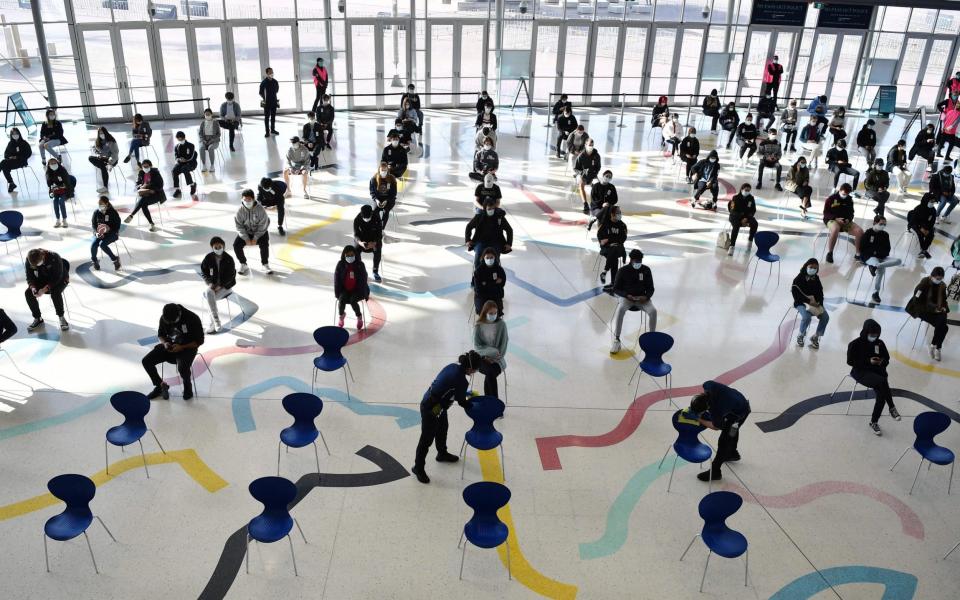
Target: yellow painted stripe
[297, 240]
[188, 459]
[522, 570]
[929, 368]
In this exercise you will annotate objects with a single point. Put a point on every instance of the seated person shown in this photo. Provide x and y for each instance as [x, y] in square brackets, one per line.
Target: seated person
[921, 220]
[929, 304]
[383, 192]
[603, 194]
[181, 334]
[747, 138]
[875, 251]
[231, 117]
[798, 182]
[566, 125]
[690, 150]
[611, 235]
[219, 273]
[743, 210]
[484, 191]
[867, 141]
[489, 279]
[633, 287]
[325, 120]
[47, 273]
[149, 192]
[729, 121]
[944, 190]
[876, 183]
[924, 146]
[839, 164]
[298, 163]
[766, 110]
[807, 292]
[705, 174]
[585, 169]
[770, 154]
[868, 358]
[838, 213]
[897, 159]
[350, 285]
[106, 230]
[368, 236]
[485, 161]
[394, 155]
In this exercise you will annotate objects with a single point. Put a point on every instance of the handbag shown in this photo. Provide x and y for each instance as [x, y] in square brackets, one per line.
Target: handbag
[815, 310]
[790, 185]
[723, 240]
[953, 290]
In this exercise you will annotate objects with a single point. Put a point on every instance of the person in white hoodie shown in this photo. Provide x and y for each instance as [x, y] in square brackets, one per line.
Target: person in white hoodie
[252, 229]
[209, 135]
[671, 133]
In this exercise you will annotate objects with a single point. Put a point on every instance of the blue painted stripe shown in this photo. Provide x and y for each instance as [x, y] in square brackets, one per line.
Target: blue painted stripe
[897, 585]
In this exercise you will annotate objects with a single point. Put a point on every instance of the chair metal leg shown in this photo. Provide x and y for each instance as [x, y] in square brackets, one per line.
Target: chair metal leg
[106, 456]
[503, 463]
[463, 462]
[705, 565]
[746, 566]
[950, 481]
[460, 541]
[278, 458]
[463, 555]
[144, 457]
[901, 457]
[293, 556]
[104, 525]
[324, 443]
[90, 548]
[46, 556]
[689, 545]
[300, 529]
[672, 467]
[917, 476]
[157, 441]
[664, 457]
[347, 383]
[944, 556]
[313, 381]
[852, 392]
[247, 554]
[509, 569]
[317, 456]
[349, 370]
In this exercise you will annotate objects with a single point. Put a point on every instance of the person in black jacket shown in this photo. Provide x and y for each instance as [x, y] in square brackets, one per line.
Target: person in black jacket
[383, 192]
[325, 119]
[414, 98]
[868, 359]
[807, 294]
[566, 124]
[560, 106]
[729, 121]
[633, 286]
[185, 155]
[867, 141]
[944, 190]
[180, 333]
[311, 136]
[711, 108]
[140, 134]
[929, 304]
[368, 236]
[690, 150]
[486, 119]
[219, 272]
[47, 273]
[897, 157]
[921, 220]
[106, 230]
[705, 174]
[611, 235]
[747, 138]
[838, 216]
[489, 229]
[149, 191]
[51, 136]
[486, 190]
[585, 169]
[742, 209]
[839, 163]
[489, 279]
[394, 155]
[875, 251]
[270, 193]
[766, 109]
[603, 194]
[876, 183]
[770, 154]
[486, 160]
[924, 146]
[484, 100]
[8, 328]
[269, 88]
[61, 185]
[16, 156]
[350, 284]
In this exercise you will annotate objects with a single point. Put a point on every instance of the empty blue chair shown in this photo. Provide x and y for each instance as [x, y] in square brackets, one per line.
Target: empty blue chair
[927, 426]
[304, 408]
[688, 445]
[765, 241]
[275, 522]
[483, 410]
[715, 509]
[654, 345]
[134, 406]
[76, 491]
[332, 339]
[13, 221]
[485, 529]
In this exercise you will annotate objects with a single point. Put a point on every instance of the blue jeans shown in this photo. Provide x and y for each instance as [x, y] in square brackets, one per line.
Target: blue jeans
[805, 317]
[135, 145]
[950, 201]
[103, 242]
[60, 206]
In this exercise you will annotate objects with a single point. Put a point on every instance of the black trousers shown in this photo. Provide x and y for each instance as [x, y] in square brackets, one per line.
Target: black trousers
[763, 164]
[726, 445]
[491, 371]
[751, 146]
[713, 122]
[804, 192]
[321, 90]
[690, 162]
[880, 386]
[270, 118]
[100, 162]
[55, 293]
[377, 252]
[185, 169]
[736, 225]
[789, 138]
[281, 209]
[143, 203]
[384, 212]
[433, 430]
[770, 119]
[11, 164]
[845, 170]
[104, 243]
[881, 198]
[159, 354]
[230, 126]
[351, 298]
[612, 258]
[264, 242]
[703, 186]
[937, 320]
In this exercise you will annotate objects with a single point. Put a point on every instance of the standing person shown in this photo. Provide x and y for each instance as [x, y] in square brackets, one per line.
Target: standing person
[485, 100]
[8, 328]
[953, 84]
[876, 184]
[180, 333]
[489, 229]
[839, 163]
[711, 108]
[231, 117]
[47, 273]
[566, 125]
[807, 291]
[140, 134]
[576, 142]
[924, 146]
[253, 229]
[271, 193]
[106, 155]
[298, 163]
[487, 189]
[350, 285]
[798, 182]
[867, 141]
[868, 358]
[489, 280]
[450, 385]
[837, 125]
[394, 156]
[321, 78]
[944, 190]
[743, 210]
[269, 88]
[788, 124]
[897, 158]
[560, 106]
[61, 185]
[921, 220]
[603, 194]
[728, 410]
[772, 76]
[185, 159]
[929, 304]
[729, 122]
[325, 119]
[383, 192]
[105, 223]
[51, 136]
[770, 154]
[838, 215]
[747, 138]
[766, 109]
[690, 150]
[633, 287]
[219, 272]
[149, 191]
[15, 156]
[951, 120]
[412, 99]
[490, 340]
[485, 161]
[611, 235]
[586, 169]
[368, 236]
[209, 135]
[705, 174]
[875, 250]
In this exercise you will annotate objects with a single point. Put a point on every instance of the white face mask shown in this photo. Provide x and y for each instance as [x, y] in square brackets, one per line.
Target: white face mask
[350, 259]
[312, 120]
[383, 173]
[491, 212]
[811, 271]
[606, 179]
[491, 317]
[52, 117]
[843, 196]
[394, 143]
[488, 184]
[873, 338]
[636, 265]
[615, 218]
[589, 149]
[932, 204]
[488, 109]
[208, 117]
[936, 281]
[102, 208]
[366, 219]
[218, 251]
[803, 165]
[713, 160]
[248, 203]
[102, 136]
[54, 167]
[487, 147]
[16, 136]
[879, 227]
[489, 261]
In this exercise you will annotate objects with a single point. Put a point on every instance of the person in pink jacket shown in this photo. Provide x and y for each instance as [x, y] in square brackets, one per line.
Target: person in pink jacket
[772, 74]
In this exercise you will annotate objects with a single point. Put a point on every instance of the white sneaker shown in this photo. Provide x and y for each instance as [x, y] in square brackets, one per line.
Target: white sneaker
[305, 194]
[947, 221]
[615, 347]
[101, 190]
[212, 169]
[267, 269]
[109, 168]
[730, 251]
[63, 324]
[214, 326]
[288, 193]
[203, 169]
[153, 227]
[936, 354]
[244, 269]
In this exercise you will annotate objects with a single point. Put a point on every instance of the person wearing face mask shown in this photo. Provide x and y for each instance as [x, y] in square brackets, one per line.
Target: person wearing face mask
[180, 335]
[16, 156]
[576, 142]
[875, 250]
[149, 191]
[671, 133]
[272, 193]
[633, 286]
[325, 118]
[106, 155]
[253, 229]
[838, 161]
[321, 78]
[394, 156]
[810, 137]
[661, 114]
[921, 220]
[705, 174]
[482, 134]
[402, 132]
[943, 106]
[209, 136]
[350, 285]
[368, 236]
[585, 169]
[566, 125]
[185, 157]
[772, 76]
[140, 134]
[868, 358]
[876, 184]
[711, 108]
[603, 195]
[488, 229]
[929, 304]
[490, 341]
[729, 122]
[311, 136]
[837, 125]
[298, 163]
[410, 119]
[61, 185]
[383, 192]
[807, 291]
[788, 124]
[949, 122]
[486, 190]
[798, 182]
[485, 100]
[838, 213]
[611, 235]
[485, 161]
[489, 279]
[953, 84]
[219, 273]
[51, 136]
[722, 409]
[105, 223]
[770, 154]
[897, 158]
[690, 150]
[448, 387]
[411, 101]
[486, 119]
[560, 106]
[766, 110]
[269, 88]
[867, 141]
[742, 209]
[746, 135]
[924, 146]
[944, 190]
[47, 273]
[231, 117]
[817, 109]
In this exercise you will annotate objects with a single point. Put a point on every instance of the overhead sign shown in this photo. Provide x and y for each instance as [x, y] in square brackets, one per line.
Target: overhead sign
[845, 16]
[778, 12]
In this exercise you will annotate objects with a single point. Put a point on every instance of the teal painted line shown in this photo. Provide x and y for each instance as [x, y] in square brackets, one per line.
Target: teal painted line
[618, 517]
[897, 585]
[45, 343]
[406, 295]
[84, 409]
[535, 362]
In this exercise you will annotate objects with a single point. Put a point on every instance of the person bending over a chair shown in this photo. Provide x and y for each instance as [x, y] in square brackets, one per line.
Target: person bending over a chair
[722, 409]
[181, 334]
[634, 288]
[868, 359]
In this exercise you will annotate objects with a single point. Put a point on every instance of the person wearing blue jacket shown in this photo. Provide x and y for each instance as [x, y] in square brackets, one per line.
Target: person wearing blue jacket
[818, 109]
[723, 409]
[450, 385]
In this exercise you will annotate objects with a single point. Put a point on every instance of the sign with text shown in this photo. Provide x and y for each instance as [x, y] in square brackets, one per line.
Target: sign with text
[845, 16]
[778, 12]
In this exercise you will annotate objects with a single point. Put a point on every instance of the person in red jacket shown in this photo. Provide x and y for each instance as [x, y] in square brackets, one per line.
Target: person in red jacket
[350, 284]
[772, 74]
[320, 80]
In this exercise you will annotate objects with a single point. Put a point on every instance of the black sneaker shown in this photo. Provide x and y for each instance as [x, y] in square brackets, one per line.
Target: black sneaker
[873, 270]
[778, 187]
[37, 323]
[420, 474]
[590, 224]
[158, 391]
[894, 414]
[586, 209]
[758, 186]
[926, 254]
[376, 277]
[706, 476]
[875, 298]
[116, 265]
[11, 187]
[177, 193]
[274, 132]
[829, 257]
[280, 229]
[127, 159]
[187, 392]
[96, 264]
[232, 149]
[266, 135]
[447, 457]
[603, 277]
[193, 189]
[876, 428]
[734, 457]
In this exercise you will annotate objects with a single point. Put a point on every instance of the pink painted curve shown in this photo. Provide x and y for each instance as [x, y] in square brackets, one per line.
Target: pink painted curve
[555, 219]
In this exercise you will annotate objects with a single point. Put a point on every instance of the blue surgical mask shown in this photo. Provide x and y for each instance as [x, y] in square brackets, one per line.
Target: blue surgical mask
[489, 261]
[936, 281]
[636, 265]
[350, 259]
[491, 317]
[811, 271]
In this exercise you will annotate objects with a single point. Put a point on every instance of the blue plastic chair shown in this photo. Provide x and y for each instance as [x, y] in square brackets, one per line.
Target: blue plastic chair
[304, 408]
[332, 339]
[134, 406]
[76, 491]
[765, 240]
[715, 509]
[927, 426]
[688, 446]
[654, 345]
[275, 522]
[13, 221]
[483, 410]
[485, 529]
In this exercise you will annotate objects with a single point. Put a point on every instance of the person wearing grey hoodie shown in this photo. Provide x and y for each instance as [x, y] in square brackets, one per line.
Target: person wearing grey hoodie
[298, 163]
[868, 359]
[490, 341]
[252, 229]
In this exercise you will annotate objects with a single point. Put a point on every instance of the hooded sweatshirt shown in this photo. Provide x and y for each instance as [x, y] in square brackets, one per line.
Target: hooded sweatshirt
[861, 350]
[489, 281]
[368, 231]
[875, 244]
[707, 170]
[489, 231]
[252, 223]
[806, 285]
[836, 207]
